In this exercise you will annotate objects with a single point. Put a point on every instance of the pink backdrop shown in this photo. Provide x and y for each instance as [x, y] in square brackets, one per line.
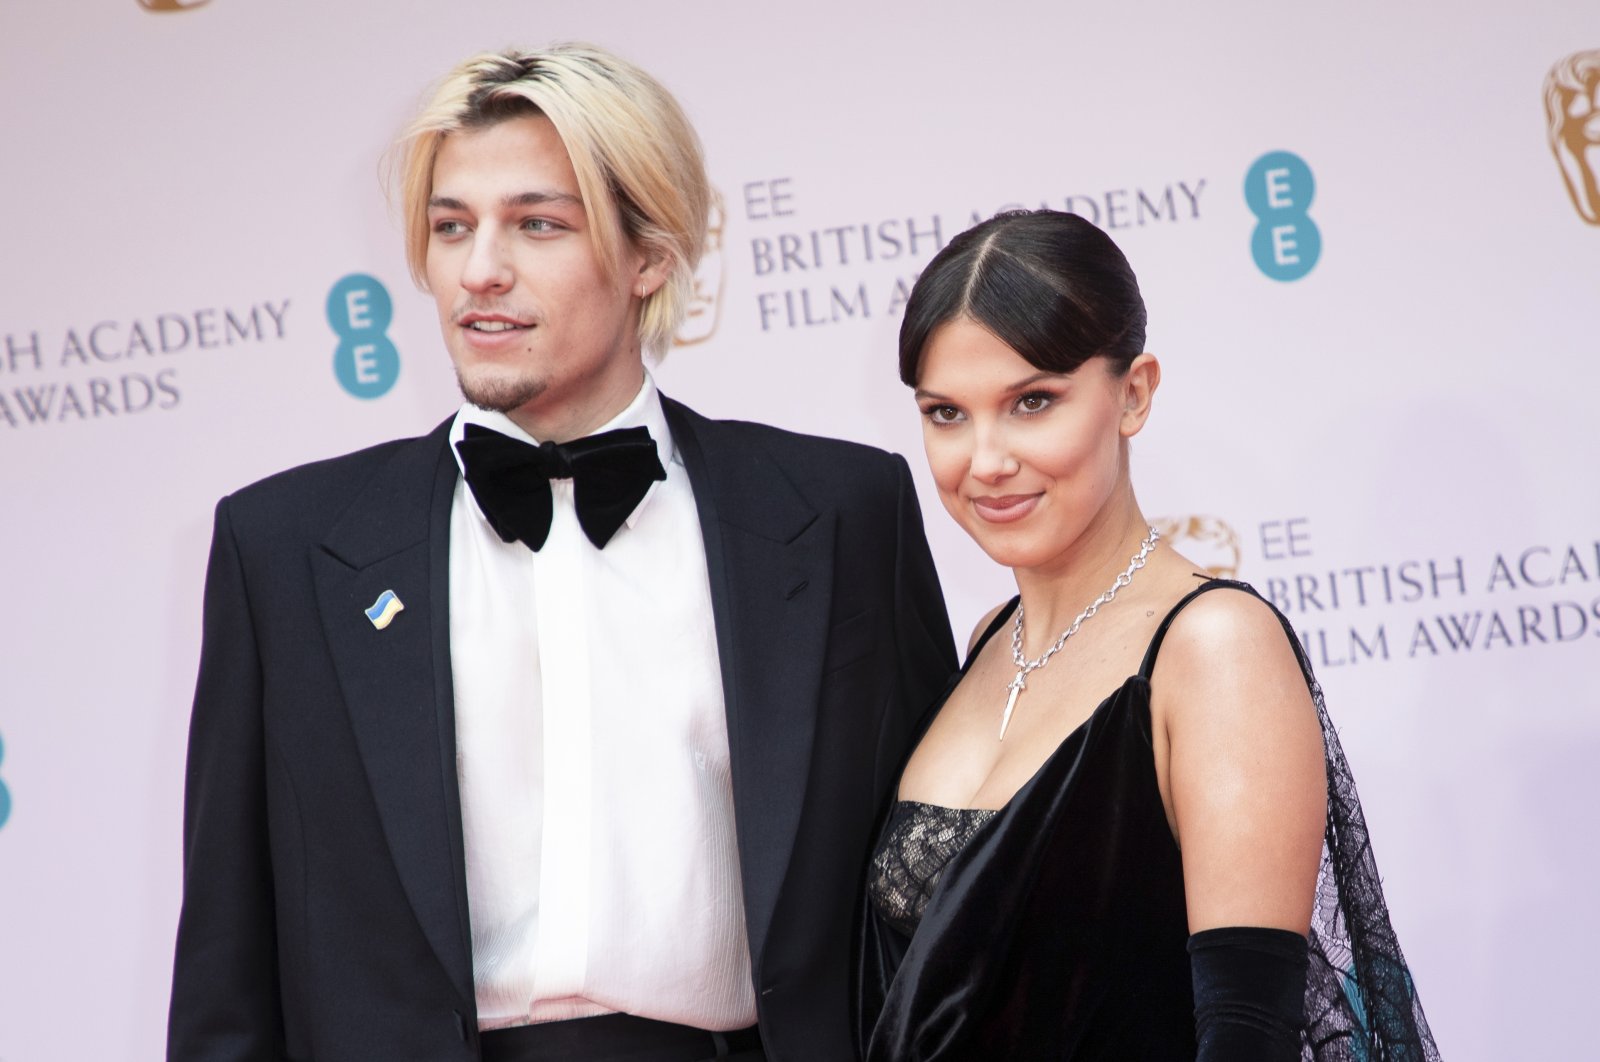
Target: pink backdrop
[1394, 442]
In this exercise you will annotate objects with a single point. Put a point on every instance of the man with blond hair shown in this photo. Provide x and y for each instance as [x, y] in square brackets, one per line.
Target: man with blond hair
[559, 731]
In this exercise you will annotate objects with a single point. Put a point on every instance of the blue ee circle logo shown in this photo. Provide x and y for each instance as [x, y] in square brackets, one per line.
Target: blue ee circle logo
[5, 794]
[1278, 190]
[365, 361]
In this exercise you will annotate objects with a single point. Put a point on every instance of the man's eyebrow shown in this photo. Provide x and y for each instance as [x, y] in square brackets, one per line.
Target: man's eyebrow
[517, 199]
[523, 199]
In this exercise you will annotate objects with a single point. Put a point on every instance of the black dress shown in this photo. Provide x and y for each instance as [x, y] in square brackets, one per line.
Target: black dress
[1057, 928]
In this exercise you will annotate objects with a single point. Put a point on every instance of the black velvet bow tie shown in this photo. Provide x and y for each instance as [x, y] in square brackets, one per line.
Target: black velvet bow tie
[611, 473]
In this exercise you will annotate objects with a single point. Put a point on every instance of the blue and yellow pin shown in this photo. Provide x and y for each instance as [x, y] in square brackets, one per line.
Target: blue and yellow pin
[385, 609]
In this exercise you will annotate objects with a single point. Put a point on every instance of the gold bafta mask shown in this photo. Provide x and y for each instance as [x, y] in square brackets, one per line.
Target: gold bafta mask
[1207, 540]
[1572, 108]
[705, 305]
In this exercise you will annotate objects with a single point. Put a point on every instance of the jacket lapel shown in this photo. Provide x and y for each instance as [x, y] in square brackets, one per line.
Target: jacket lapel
[769, 557]
[396, 681]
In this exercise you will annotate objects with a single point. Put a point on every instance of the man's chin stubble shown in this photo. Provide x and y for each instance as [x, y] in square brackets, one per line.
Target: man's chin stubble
[499, 396]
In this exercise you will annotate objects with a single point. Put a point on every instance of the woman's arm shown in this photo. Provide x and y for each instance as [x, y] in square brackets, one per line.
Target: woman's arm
[1245, 786]
[1244, 782]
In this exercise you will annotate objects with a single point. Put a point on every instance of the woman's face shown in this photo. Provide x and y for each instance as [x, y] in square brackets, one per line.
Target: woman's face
[1026, 461]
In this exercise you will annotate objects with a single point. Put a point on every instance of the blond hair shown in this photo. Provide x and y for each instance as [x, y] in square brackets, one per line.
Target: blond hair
[638, 162]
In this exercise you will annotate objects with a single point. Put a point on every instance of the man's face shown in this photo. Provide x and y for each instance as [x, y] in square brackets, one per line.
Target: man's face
[533, 324]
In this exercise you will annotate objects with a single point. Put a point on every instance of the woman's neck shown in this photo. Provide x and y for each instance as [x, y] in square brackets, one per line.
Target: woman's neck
[1053, 595]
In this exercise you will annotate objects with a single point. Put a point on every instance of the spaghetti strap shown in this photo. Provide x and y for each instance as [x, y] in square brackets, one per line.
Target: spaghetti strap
[995, 624]
[1161, 632]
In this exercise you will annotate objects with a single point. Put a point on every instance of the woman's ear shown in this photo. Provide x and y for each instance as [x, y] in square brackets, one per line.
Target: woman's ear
[1139, 385]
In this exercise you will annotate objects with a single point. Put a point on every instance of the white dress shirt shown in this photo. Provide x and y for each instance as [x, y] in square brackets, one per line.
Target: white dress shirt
[592, 753]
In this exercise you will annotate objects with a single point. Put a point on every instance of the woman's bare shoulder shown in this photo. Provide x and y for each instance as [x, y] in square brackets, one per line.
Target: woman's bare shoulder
[983, 624]
[1228, 661]
[1228, 623]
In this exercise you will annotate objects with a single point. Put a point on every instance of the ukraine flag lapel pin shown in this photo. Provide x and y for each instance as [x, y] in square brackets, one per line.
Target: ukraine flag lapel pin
[385, 609]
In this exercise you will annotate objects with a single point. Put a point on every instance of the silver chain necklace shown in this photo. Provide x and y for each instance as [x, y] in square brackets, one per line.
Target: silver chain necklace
[1025, 666]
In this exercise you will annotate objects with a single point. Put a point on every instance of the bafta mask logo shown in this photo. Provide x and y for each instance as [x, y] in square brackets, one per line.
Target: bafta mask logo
[172, 5]
[1572, 109]
[705, 304]
[1204, 539]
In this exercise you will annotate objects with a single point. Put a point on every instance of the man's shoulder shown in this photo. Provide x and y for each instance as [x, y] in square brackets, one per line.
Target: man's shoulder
[784, 445]
[331, 483]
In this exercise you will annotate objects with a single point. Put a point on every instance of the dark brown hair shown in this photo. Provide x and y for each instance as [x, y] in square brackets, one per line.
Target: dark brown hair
[1049, 285]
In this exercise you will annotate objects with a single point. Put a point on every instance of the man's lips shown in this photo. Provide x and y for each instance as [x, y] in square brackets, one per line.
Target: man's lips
[1004, 508]
[494, 333]
[490, 323]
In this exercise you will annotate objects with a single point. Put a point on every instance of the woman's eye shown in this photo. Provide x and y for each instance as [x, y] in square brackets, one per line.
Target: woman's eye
[942, 414]
[1034, 402]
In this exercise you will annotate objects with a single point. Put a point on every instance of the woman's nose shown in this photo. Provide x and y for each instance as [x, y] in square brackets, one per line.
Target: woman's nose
[992, 459]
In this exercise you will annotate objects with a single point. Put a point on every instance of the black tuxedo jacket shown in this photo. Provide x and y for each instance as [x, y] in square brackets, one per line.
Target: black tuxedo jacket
[324, 897]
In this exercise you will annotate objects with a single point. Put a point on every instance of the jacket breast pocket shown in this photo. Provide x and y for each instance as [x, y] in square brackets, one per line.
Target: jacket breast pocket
[851, 641]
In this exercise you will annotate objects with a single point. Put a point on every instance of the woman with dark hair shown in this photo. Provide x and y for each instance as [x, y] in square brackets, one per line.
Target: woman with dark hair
[1178, 870]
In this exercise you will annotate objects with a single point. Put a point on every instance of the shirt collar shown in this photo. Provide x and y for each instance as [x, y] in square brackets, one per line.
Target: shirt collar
[643, 412]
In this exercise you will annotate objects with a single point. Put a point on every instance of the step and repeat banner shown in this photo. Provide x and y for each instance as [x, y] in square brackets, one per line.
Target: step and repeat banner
[1369, 239]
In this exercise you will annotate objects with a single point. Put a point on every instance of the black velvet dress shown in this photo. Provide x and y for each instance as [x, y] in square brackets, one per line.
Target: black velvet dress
[1058, 930]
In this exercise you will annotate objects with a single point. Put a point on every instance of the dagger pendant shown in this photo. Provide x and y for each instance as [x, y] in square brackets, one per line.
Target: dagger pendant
[1016, 686]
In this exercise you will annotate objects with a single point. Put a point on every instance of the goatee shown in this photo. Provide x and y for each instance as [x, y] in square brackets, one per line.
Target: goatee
[499, 395]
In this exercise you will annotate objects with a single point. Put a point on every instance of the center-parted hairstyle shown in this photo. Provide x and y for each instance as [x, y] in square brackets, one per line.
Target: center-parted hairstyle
[638, 161]
[1049, 285]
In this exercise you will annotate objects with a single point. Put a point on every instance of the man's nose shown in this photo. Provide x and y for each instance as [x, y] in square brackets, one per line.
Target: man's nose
[488, 268]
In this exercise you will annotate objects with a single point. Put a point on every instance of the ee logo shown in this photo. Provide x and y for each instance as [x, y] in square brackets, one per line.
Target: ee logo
[1278, 190]
[5, 794]
[359, 311]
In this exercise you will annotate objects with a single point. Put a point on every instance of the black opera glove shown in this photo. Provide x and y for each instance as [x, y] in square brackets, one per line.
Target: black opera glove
[1249, 993]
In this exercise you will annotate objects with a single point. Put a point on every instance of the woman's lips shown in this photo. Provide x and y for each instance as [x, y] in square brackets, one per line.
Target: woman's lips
[1005, 508]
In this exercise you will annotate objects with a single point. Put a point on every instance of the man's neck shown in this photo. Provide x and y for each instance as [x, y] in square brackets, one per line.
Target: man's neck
[562, 421]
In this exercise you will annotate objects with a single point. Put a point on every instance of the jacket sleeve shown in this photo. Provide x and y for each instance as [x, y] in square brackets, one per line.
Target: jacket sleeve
[225, 1005]
[924, 646]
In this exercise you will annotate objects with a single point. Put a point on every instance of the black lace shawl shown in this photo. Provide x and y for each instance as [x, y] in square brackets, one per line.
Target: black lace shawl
[1361, 1004]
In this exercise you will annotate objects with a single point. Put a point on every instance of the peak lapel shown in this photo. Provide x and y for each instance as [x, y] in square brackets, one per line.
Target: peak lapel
[396, 680]
[769, 555]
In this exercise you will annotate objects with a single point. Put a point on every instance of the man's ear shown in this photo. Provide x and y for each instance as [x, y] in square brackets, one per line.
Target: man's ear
[1139, 385]
[654, 268]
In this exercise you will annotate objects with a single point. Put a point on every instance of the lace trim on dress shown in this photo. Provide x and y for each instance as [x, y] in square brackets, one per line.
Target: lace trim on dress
[920, 842]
